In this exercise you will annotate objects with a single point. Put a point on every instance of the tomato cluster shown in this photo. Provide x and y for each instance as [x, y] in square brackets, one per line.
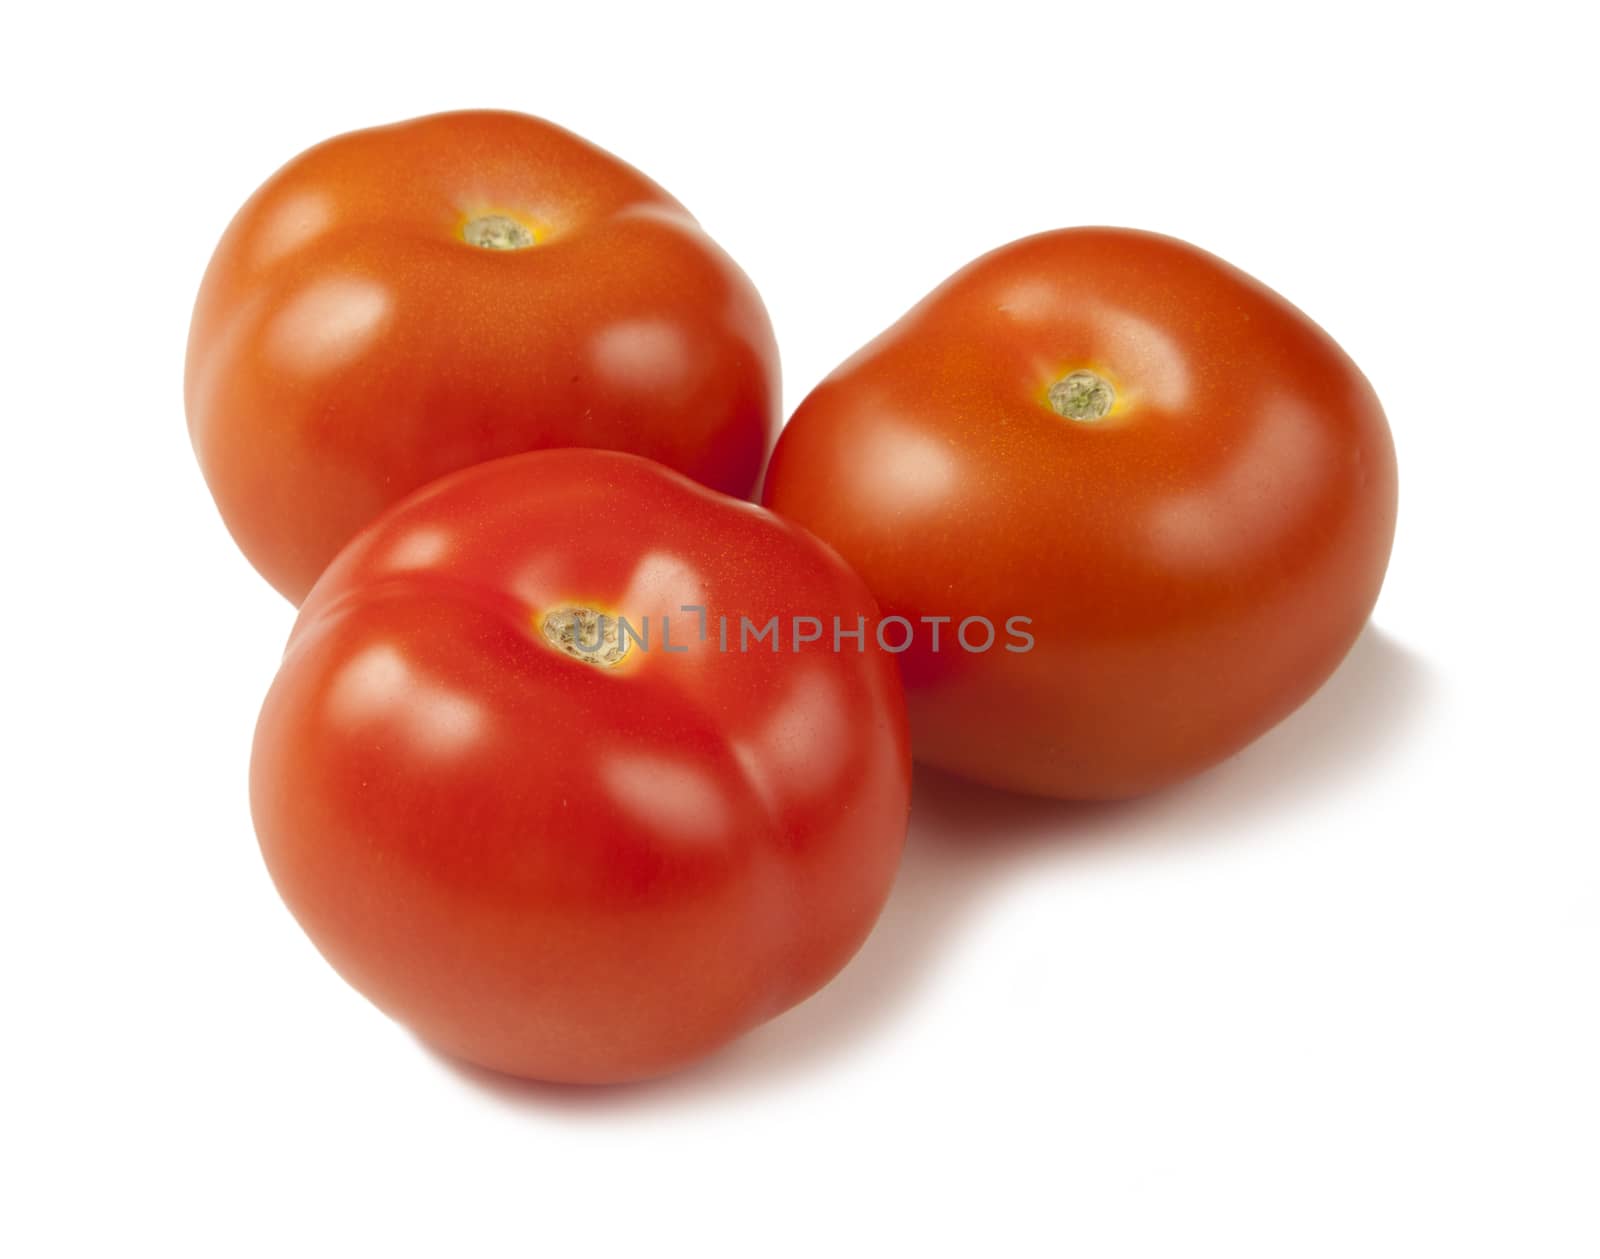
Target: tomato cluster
[578, 764]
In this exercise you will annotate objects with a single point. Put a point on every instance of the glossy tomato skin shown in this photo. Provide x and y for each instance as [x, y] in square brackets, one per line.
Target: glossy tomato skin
[1195, 563]
[560, 869]
[349, 345]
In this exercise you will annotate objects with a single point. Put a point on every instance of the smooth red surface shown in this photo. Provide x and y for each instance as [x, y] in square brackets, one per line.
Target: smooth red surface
[553, 868]
[1196, 563]
[348, 345]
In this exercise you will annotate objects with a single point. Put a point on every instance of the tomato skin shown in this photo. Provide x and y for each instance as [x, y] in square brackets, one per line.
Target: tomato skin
[559, 869]
[1195, 564]
[348, 345]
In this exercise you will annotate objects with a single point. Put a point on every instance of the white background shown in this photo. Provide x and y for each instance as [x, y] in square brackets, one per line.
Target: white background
[1338, 997]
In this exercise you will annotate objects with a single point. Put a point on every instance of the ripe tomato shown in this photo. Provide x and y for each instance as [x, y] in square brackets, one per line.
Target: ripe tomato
[402, 302]
[1182, 481]
[570, 866]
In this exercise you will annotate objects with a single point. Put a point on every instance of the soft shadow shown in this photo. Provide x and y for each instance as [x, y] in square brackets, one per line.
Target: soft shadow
[966, 839]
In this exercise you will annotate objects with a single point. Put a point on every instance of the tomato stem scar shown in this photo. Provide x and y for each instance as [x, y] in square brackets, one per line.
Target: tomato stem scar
[1081, 395]
[585, 635]
[496, 231]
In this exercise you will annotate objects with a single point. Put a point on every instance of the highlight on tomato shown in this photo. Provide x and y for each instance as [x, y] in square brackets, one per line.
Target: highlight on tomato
[523, 788]
[1181, 479]
[401, 302]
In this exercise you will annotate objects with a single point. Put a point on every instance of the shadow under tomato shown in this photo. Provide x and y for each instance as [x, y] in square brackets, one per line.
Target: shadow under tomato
[965, 840]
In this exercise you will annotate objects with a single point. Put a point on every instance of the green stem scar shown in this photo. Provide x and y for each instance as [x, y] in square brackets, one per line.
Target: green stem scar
[496, 231]
[585, 635]
[1081, 395]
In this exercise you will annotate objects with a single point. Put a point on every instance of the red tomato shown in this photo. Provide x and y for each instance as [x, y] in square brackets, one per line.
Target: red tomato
[581, 867]
[399, 303]
[1180, 479]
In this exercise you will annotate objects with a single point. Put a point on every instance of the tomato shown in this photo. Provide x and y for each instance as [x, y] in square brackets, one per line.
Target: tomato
[575, 864]
[1178, 483]
[402, 302]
